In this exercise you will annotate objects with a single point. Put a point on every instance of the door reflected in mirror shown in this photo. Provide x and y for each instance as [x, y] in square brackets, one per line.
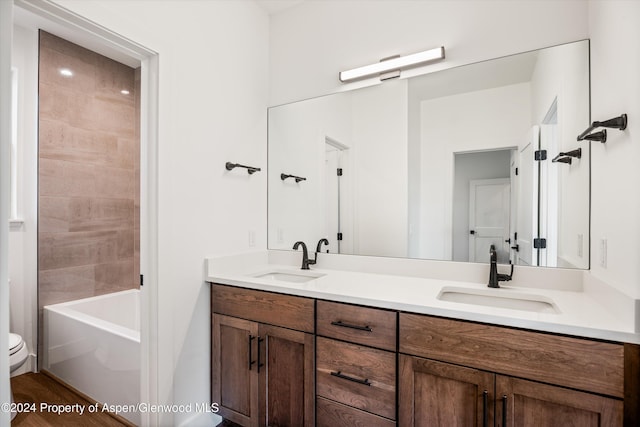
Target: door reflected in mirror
[441, 166]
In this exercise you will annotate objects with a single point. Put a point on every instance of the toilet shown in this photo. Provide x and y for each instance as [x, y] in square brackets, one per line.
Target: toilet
[18, 354]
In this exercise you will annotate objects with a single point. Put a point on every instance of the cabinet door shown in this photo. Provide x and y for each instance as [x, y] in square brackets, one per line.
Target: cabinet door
[440, 394]
[286, 366]
[522, 403]
[234, 378]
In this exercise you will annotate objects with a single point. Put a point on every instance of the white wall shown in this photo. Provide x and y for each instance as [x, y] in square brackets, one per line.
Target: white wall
[456, 124]
[312, 42]
[380, 169]
[615, 89]
[212, 109]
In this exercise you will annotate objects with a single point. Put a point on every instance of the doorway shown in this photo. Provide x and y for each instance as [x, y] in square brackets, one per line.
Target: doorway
[335, 194]
[57, 20]
[481, 204]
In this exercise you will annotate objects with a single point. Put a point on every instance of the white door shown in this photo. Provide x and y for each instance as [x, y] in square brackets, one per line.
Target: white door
[489, 212]
[527, 199]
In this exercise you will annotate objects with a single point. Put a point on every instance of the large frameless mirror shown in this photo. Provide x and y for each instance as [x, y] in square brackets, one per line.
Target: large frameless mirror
[441, 166]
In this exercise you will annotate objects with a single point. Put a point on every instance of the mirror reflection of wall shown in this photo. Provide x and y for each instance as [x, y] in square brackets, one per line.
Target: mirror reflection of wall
[414, 152]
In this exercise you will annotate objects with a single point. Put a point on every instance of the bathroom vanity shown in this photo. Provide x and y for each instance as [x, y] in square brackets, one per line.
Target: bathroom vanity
[288, 348]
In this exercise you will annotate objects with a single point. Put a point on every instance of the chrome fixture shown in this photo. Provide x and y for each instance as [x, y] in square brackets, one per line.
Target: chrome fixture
[395, 63]
[494, 276]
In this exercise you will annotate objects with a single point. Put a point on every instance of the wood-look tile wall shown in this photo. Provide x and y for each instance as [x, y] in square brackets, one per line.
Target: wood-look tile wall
[89, 174]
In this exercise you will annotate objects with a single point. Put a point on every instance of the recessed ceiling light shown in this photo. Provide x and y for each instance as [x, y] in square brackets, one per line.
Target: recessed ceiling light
[66, 72]
[124, 92]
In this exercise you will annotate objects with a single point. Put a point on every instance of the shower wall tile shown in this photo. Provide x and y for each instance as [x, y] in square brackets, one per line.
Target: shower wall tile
[64, 214]
[66, 284]
[85, 111]
[62, 250]
[59, 141]
[89, 166]
[71, 179]
[114, 277]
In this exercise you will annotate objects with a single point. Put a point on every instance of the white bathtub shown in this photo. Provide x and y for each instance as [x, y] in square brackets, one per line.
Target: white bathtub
[93, 344]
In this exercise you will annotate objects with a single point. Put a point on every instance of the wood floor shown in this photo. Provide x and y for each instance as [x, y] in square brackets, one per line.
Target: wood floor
[39, 388]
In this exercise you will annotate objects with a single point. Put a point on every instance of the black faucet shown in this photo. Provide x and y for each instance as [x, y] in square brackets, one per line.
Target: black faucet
[306, 262]
[319, 246]
[494, 276]
[305, 255]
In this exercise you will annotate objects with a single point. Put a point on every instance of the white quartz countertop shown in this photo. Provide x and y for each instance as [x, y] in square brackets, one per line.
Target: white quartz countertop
[578, 313]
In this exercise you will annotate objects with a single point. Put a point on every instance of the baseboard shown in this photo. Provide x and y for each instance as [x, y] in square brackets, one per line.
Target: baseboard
[204, 419]
[30, 365]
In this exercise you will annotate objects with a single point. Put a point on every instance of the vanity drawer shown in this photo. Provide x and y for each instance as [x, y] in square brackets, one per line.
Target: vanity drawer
[570, 362]
[362, 325]
[357, 376]
[333, 414]
[266, 307]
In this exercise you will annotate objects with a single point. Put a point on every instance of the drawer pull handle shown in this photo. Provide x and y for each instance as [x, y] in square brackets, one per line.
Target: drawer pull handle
[347, 325]
[259, 364]
[485, 418]
[251, 362]
[504, 410]
[339, 374]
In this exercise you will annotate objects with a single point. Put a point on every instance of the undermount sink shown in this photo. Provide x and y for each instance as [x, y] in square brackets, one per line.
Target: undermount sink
[289, 276]
[499, 299]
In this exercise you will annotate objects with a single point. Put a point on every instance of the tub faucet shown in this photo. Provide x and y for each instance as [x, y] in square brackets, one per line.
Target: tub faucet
[494, 276]
[305, 255]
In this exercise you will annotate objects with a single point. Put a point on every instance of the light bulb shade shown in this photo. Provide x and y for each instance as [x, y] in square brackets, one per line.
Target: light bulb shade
[393, 64]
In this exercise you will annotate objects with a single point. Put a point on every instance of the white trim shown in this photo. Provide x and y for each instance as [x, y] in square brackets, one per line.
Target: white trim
[6, 41]
[90, 35]
[148, 59]
[15, 88]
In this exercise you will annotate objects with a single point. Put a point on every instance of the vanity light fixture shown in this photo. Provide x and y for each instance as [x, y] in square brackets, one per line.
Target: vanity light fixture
[393, 64]
[124, 92]
[66, 72]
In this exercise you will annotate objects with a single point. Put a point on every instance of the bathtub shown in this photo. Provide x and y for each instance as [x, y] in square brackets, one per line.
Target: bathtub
[93, 344]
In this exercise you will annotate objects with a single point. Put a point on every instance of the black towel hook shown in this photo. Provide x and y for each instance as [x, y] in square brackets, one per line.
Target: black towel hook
[619, 123]
[284, 176]
[563, 157]
[250, 169]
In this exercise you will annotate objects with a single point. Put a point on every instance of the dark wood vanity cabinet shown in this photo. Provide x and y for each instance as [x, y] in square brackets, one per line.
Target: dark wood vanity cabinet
[262, 363]
[464, 373]
[282, 360]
